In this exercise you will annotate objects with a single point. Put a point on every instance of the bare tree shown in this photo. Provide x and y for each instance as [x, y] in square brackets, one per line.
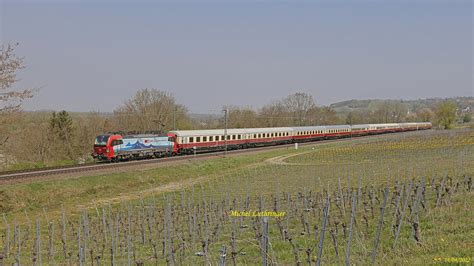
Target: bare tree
[425, 115]
[299, 105]
[242, 117]
[273, 114]
[151, 110]
[10, 98]
[324, 116]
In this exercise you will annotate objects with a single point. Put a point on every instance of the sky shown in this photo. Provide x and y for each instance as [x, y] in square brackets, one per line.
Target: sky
[94, 55]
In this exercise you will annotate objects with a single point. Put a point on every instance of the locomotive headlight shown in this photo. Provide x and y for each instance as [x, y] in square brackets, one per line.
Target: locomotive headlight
[107, 150]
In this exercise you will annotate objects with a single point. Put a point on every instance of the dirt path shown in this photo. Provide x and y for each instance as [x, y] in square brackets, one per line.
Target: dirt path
[280, 160]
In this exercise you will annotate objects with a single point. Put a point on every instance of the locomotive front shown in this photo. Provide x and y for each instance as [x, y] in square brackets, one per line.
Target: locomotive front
[103, 147]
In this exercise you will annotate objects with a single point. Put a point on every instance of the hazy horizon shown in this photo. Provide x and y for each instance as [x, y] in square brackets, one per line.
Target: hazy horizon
[94, 55]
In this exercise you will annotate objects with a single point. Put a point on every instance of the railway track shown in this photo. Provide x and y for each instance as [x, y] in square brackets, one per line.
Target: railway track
[49, 171]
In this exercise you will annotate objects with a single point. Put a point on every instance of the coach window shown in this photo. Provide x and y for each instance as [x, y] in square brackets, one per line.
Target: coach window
[239, 136]
[204, 139]
[191, 139]
[198, 139]
[211, 138]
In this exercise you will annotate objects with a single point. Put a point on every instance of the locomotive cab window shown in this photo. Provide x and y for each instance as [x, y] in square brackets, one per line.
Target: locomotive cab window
[101, 140]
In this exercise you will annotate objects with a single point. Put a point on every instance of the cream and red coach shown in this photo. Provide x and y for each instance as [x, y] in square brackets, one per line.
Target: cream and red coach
[190, 141]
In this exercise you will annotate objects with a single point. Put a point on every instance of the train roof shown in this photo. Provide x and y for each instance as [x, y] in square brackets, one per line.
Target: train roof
[230, 131]
[310, 128]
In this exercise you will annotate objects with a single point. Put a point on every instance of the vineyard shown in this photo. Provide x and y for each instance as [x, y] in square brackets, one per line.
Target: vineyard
[404, 199]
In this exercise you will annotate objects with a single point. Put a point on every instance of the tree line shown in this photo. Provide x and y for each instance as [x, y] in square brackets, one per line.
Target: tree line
[44, 138]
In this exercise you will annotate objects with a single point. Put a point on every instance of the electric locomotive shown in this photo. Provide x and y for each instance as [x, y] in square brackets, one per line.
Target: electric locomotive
[115, 147]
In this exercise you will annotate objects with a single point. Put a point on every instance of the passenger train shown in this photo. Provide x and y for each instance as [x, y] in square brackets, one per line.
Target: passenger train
[118, 147]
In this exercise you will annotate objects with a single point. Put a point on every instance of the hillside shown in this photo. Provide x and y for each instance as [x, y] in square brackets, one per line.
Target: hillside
[464, 104]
